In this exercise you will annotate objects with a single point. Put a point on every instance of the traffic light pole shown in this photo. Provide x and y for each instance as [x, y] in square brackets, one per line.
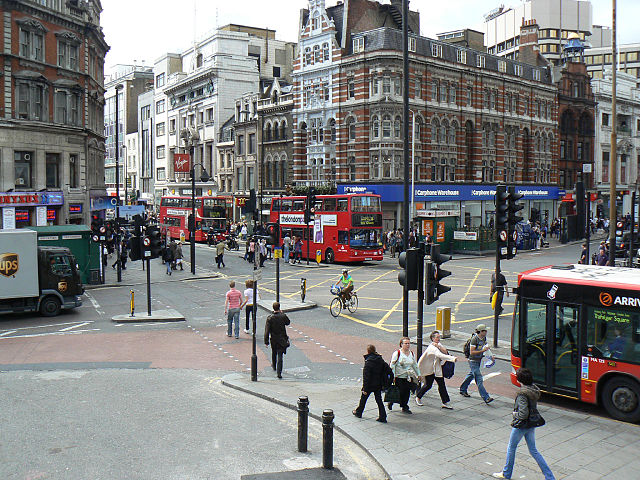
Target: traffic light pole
[148, 286]
[496, 311]
[420, 315]
[407, 163]
[192, 224]
[254, 356]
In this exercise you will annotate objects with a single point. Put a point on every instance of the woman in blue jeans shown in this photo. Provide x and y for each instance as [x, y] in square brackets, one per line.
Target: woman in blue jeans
[526, 403]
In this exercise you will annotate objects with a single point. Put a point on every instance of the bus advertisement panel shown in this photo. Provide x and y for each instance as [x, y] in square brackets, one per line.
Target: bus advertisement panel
[346, 228]
[577, 328]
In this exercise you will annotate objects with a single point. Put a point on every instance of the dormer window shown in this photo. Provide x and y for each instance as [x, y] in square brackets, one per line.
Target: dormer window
[315, 23]
[358, 45]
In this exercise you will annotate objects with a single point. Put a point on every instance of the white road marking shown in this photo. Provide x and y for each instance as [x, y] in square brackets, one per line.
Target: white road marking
[94, 302]
[46, 326]
[487, 377]
[9, 332]
[75, 332]
[74, 326]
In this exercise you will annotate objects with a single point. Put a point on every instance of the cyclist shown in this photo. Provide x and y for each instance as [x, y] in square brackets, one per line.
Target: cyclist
[345, 282]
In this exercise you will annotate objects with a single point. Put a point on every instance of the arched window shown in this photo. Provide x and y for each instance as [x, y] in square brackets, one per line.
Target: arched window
[325, 51]
[442, 136]
[316, 21]
[418, 131]
[452, 170]
[435, 125]
[351, 129]
[332, 130]
[386, 126]
[303, 133]
[397, 130]
[452, 133]
[283, 170]
[352, 169]
[268, 178]
[375, 127]
[308, 56]
[275, 131]
[283, 130]
[536, 142]
[267, 132]
[317, 54]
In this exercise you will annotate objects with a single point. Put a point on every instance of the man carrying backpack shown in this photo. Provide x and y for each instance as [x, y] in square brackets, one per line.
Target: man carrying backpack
[376, 375]
[477, 345]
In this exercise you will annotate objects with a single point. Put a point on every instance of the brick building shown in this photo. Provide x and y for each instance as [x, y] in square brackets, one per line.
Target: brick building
[479, 119]
[51, 111]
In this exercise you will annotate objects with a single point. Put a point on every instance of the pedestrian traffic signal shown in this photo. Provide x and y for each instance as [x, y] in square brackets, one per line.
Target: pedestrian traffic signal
[155, 247]
[135, 251]
[514, 218]
[410, 274]
[434, 274]
[502, 220]
[273, 231]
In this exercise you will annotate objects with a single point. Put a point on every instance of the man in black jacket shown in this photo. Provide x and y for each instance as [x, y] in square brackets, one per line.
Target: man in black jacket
[373, 373]
[276, 328]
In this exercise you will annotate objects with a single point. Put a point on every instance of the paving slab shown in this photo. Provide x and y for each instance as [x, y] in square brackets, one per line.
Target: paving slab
[168, 315]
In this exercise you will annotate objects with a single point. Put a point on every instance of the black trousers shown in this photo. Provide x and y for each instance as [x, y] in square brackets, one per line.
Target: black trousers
[276, 359]
[248, 310]
[428, 383]
[377, 394]
[403, 386]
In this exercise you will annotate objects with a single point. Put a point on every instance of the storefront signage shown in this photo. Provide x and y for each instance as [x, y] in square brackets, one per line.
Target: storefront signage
[41, 216]
[439, 192]
[75, 208]
[440, 232]
[438, 213]
[181, 163]
[465, 235]
[241, 201]
[366, 219]
[31, 199]
[9, 218]
[22, 215]
[51, 214]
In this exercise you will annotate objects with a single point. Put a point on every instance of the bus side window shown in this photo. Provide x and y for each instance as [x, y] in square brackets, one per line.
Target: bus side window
[343, 237]
[286, 205]
[296, 232]
[329, 205]
[342, 204]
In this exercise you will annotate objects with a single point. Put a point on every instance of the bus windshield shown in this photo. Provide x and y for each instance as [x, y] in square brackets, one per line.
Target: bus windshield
[615, 333]
[364, 238]
[365, 204]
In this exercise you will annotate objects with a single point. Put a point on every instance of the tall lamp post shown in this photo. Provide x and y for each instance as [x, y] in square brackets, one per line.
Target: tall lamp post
[118, 88]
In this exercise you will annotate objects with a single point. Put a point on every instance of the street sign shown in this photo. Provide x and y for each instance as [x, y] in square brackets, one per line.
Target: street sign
[503, 235]
[147, 254]
[515, 236]
[103, 230]
[277, 253]
[95, 238]
[257, 275]
[146, 241]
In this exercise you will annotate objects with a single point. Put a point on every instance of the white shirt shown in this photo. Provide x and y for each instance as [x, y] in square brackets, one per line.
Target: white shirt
[248, 294]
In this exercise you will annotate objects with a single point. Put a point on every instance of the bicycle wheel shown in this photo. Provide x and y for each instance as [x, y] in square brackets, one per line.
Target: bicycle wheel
[336, 307]
[353, 303]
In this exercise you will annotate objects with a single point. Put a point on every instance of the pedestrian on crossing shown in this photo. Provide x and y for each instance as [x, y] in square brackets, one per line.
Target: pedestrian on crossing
[275, 332]
[430, 365]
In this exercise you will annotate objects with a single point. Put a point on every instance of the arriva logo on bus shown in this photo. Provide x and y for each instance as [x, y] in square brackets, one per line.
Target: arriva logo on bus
[607, 300]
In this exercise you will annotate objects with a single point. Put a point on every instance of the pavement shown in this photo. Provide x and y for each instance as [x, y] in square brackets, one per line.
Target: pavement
[468, 442]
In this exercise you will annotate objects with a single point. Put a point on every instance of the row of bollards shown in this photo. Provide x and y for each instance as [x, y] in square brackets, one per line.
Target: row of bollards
[327, 431]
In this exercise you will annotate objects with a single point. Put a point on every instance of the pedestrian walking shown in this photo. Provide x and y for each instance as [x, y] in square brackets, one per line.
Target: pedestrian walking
[405, 370]
[297, 254]
[583, 255]
[262, 251]
[252, 249]
[232, 304]
[275, 331]
[179, 256]
[373, 373]
[430, 365]
[602, 259]
[220, 246]
[526, 419]
[173, 246]
[392, 244]
[286, 247]
[248, 303]
[477, 347]
[167, 258]
[243, 232]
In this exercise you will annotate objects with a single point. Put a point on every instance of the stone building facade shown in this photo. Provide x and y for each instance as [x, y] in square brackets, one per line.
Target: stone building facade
[51, 112]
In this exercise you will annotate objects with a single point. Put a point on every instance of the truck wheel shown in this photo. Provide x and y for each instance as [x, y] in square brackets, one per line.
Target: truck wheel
[50, 306]
[621, 399]
[329, 256]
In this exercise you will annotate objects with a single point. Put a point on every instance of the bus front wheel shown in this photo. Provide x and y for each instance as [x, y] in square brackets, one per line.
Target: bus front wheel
[621, 399]
[329, 256]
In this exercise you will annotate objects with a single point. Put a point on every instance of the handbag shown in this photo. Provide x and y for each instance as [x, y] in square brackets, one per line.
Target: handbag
[534, 420]
[392, 395]
[448, 369]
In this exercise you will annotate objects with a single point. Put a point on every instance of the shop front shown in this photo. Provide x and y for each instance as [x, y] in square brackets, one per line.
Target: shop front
[30, 209]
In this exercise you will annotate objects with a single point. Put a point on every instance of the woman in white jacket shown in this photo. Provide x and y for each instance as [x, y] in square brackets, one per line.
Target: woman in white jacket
[430, 365]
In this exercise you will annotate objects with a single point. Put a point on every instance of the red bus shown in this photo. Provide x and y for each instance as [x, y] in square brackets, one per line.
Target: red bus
[577, 328]
[211, 216]
[346, 228]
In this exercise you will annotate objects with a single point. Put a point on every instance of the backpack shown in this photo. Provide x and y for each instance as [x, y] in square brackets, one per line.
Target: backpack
[387, 376]
[467, 346]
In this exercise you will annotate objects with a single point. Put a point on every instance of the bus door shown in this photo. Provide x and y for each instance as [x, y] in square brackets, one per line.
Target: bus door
[552, 358]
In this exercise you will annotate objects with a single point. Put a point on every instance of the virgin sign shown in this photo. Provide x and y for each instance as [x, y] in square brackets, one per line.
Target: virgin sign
[181, 163]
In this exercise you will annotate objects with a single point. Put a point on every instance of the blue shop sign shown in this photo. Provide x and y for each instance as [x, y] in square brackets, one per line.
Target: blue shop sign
[435, 192]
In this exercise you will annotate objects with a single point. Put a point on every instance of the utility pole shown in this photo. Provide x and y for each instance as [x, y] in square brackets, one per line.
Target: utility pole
[118, 88]
[407, 164]
[613, 167]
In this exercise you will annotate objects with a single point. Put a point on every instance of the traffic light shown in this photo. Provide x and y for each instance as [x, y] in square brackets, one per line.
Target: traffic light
[273, 231]
[514, 218]
[309, 211]
[135, 251]
[155, 247]
[433, 274]
[138, 223]
[502, 220]
[410, 274]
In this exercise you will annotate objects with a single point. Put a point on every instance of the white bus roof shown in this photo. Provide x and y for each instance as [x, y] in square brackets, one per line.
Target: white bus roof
[593, 275]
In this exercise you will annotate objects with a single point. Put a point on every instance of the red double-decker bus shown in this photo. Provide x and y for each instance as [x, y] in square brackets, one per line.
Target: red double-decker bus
[577, 328]
[211, 216]
[346, 228]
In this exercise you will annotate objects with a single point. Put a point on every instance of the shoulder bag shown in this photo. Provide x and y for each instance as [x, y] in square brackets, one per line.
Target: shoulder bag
[448, 369]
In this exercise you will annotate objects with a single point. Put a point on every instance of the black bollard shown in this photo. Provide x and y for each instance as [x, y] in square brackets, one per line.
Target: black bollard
[327, 439]
[303, 423]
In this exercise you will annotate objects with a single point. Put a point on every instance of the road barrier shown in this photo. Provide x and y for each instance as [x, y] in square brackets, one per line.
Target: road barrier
[327, 439]
[303, 423]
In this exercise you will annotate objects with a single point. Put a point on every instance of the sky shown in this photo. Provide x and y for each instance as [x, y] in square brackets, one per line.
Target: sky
[140, 31]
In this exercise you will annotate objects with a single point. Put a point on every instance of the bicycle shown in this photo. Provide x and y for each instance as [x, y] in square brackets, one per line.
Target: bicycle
[336, 305]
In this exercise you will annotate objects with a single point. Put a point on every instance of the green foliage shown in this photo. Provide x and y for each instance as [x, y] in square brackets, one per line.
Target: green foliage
[323, 189]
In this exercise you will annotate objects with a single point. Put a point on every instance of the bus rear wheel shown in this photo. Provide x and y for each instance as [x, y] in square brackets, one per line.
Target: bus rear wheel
[329, 256]
[621, 399]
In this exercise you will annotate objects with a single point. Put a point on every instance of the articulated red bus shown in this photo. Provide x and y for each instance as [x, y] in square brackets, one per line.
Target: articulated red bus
[577, 328]
[346, 228]
[211, 216]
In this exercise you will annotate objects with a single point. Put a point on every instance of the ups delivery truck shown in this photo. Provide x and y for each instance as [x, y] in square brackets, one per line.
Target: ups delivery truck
[33, 278]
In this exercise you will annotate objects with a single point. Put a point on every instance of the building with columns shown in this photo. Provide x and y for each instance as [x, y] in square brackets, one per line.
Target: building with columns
[479, 118]
[51, 112]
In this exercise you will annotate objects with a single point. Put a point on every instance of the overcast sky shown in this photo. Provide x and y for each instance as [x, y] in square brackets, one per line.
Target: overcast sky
[142, 30]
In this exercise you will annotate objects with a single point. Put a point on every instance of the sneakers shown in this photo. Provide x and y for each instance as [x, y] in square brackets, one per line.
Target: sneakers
[488, 400]
[447, 406]
[465, 394]
[498, 475]
[418, 402]
[381, 420]
[247, 331]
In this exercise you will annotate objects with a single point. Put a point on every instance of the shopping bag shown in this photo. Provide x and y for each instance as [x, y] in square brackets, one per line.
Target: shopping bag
[392, 395]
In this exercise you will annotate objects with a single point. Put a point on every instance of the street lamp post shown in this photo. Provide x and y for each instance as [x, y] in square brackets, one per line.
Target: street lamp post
[190, 137]
[118, 88]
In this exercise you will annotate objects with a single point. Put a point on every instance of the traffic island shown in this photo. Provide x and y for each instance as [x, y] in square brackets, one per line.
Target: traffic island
[169, 315]
[286, 305]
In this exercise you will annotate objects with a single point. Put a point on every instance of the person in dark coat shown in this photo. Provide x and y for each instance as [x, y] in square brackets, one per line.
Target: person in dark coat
[275, 331]
[373, 373]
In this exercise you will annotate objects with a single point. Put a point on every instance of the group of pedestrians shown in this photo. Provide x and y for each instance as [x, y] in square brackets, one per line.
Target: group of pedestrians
[172, 256]
[234, 302]
[406, 372]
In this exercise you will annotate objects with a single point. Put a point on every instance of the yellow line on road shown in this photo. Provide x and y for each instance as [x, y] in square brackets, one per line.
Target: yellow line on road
[464, 297]
[388, 314]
